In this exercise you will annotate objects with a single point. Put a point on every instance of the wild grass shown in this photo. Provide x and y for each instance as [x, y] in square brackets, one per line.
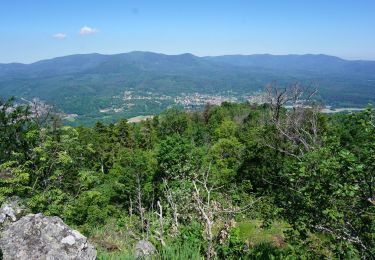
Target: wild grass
[116, 242]
[252, 232]
[186, 251]
[169, 252]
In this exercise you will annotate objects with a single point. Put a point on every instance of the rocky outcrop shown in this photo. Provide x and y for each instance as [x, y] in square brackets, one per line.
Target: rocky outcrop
[39, 237]
[11, 210]
[144, 248]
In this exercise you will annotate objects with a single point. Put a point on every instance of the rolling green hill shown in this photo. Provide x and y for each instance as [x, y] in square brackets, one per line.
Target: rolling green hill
[85, 83]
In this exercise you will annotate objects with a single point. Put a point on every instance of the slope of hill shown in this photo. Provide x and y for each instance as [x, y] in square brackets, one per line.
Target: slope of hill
[85, 83]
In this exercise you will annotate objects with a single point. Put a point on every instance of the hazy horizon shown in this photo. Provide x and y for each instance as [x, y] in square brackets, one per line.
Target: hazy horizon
[37, 30]
[230, 54]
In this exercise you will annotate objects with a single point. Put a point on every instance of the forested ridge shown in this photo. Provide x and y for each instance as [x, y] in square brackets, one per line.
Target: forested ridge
[235, 181]
[84, 84]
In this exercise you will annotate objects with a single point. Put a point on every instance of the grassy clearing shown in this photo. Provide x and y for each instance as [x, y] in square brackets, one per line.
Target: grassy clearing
[169, 252]
[113, 241]
[252, 232]
[138, 119]
[117, 242]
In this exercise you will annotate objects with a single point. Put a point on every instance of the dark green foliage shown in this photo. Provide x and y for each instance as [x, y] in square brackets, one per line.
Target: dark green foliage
[265, 251]
[15, 130]
[173, 121]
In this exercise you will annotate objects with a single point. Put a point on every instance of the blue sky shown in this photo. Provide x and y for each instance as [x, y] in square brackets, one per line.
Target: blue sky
[31, 30]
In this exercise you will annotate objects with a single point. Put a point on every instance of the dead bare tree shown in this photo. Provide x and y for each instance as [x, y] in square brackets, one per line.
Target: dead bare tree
[209, 210]
[161, 223]
[346, 233]
[141, 209]
[40, 112]
[224, 232]
[298, 125]
[130, 207]
[206, 210]
[277, 98]
[168, 195]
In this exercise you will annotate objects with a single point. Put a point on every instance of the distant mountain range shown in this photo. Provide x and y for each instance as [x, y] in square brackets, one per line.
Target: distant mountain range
[85, 82]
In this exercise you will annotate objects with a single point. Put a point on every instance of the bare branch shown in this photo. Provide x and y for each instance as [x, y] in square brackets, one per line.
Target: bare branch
[298, 125]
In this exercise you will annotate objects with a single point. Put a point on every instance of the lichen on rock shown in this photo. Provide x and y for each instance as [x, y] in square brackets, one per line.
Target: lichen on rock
[36, 236]
[11, 210]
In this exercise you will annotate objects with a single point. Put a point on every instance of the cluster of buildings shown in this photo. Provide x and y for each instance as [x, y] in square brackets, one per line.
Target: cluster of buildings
[193, 100]
[129, 95]
[189, 101]
[257, 99]
[197, 99]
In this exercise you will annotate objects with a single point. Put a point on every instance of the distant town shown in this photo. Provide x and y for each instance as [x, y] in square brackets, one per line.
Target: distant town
[189, 101]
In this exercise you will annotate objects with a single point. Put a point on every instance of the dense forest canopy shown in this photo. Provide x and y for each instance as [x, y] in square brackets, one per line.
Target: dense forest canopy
[235, 181]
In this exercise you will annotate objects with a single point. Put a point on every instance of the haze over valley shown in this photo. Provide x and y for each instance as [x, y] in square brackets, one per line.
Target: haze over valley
[91, 87]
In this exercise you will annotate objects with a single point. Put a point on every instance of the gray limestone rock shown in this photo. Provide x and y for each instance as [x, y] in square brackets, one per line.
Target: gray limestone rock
[35, 236]
[11, 210]
[144, 248]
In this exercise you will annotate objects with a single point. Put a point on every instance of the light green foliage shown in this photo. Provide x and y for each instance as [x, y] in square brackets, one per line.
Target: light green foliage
[13, 180]
[227, 129]
[226, 157]
[177, 158]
